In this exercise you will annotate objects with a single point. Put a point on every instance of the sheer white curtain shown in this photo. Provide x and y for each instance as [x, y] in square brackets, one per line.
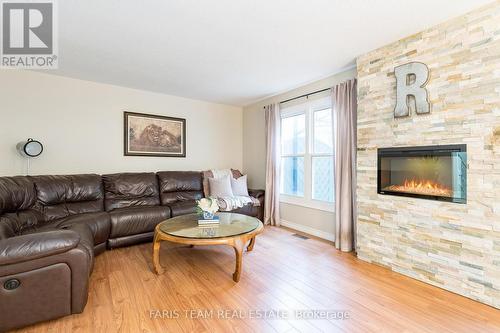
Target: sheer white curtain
[271, 204]
[344, 106]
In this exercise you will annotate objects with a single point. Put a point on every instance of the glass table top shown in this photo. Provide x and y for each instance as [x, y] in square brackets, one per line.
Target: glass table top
[231, 224]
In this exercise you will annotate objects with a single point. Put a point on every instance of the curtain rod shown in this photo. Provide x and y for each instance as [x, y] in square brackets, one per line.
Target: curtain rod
[305, 95]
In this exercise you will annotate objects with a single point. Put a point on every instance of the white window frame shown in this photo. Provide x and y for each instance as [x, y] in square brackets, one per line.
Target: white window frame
[307, 108]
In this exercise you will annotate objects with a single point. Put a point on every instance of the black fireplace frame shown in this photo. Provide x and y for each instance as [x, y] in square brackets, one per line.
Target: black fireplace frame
[419, 151]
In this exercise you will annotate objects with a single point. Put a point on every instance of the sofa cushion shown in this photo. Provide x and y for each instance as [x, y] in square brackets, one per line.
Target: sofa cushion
[239, 186]
[16, 193]
[86, 238]
[13, 224]
[136, 220]
[220, 187]
[183, 207]
[180, 186]
[209, 174]
[99, 223]
[130, 189]
[62, 196]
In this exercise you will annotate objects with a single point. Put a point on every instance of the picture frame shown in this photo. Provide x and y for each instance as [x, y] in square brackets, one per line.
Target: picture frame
[154, 135]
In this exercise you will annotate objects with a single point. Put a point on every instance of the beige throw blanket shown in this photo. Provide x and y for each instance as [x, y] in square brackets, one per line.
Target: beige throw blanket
[229, 203]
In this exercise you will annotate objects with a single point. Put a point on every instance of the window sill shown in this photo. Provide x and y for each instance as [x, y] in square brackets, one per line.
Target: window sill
[313, 204]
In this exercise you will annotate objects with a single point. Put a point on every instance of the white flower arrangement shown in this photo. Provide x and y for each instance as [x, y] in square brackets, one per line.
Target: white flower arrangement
[207, 205]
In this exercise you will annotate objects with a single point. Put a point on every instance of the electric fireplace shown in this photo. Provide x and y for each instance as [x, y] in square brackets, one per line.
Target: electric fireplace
[431, 172]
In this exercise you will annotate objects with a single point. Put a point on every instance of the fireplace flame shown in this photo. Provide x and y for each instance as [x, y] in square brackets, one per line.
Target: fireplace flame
[424, 187]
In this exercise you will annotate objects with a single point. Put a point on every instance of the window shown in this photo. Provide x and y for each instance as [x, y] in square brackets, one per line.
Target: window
[322, 156]
[307, 155]
[293, 149]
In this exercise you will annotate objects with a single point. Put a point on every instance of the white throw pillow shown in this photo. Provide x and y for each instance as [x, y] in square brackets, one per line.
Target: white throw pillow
[220, 187]
[239, 186]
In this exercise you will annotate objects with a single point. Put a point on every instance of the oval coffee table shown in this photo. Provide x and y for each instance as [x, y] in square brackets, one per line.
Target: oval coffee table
[234, 230]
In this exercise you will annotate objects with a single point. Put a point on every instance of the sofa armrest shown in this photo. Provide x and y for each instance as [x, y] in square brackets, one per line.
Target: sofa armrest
[33, 246]
[256, 193]
[43, 268]
[259, 195]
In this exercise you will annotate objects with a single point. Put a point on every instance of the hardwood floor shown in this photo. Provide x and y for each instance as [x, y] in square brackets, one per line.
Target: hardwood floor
[283, 273]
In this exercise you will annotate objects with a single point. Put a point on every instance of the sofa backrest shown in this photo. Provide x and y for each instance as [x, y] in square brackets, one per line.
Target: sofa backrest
[180, 186]
[17, 197]
[16, 193]
[62, 196]
[130, 189]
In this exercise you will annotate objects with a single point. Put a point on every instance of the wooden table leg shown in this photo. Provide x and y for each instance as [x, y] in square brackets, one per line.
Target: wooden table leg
[251, 244]
[156, 255]
[238, 250]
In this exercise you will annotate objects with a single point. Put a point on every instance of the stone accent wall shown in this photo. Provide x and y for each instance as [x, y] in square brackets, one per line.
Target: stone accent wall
[449, 245]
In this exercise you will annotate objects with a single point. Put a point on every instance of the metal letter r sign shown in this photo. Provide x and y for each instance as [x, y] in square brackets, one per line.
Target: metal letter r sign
[410, 81]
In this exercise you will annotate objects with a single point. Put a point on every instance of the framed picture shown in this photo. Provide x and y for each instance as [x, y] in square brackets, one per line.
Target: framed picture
[152, 135]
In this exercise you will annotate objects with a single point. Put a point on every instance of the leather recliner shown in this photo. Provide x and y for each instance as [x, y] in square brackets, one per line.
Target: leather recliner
[51, 227]
[133, 203]
[179, 190]
[44, 271]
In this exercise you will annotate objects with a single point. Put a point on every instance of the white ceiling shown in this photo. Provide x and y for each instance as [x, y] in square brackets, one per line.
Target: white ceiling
[232, 51]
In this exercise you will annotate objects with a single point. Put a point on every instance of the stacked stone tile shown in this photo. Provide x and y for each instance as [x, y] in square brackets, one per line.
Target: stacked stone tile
[449, 245]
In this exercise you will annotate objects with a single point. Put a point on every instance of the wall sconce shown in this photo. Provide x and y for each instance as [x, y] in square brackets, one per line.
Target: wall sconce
[29, 148]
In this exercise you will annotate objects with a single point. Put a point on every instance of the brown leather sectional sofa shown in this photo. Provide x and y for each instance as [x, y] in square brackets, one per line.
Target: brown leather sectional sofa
[51, 227]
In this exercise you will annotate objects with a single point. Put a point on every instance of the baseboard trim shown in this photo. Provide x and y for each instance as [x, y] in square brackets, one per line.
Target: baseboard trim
[308, 230]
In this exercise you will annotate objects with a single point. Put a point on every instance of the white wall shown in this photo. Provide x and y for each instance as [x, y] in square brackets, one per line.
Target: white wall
[254, 156]
[80, 124]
